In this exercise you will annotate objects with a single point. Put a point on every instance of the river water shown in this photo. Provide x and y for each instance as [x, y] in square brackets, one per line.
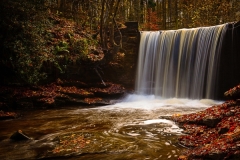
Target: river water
[130, 129]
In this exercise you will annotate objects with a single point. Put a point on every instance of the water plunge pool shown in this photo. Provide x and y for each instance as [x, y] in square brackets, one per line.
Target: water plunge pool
[130, 129]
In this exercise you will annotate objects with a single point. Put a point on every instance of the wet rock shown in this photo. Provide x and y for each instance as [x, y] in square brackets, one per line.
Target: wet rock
[223, 130]
[211, 122]
[216, 156]
[165, 117]
[19, 136]
[233, 93]
[8, 115]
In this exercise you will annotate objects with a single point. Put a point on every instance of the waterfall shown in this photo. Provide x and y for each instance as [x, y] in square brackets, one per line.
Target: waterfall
[179, 63]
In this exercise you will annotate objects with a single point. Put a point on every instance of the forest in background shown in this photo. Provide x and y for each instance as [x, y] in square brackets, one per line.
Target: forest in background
[151, 14]
[42, 37]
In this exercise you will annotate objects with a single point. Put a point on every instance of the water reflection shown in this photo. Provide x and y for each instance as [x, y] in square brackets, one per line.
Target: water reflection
[126, 130]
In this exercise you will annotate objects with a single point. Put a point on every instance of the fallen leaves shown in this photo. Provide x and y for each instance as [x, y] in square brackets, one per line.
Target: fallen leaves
[213, 133]
[213, 113]
[218, 141]
[111, 89]
[92, 100]
[71, 143]
[61, 93]
[233, 92]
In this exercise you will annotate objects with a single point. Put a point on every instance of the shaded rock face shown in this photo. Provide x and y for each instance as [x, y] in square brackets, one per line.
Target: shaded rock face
[229, 74]
[122, 69]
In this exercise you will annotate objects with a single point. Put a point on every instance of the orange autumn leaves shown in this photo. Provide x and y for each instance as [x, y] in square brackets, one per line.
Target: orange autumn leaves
[71, 143]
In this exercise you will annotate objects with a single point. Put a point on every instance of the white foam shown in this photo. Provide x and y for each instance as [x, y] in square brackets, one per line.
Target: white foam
[151, 102]
[170, 128]
[152, 121]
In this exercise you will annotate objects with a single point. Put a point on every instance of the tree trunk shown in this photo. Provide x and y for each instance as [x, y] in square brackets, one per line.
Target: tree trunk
[101, 24]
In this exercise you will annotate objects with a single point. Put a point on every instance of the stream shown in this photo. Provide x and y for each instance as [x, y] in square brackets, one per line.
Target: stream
[130, 129]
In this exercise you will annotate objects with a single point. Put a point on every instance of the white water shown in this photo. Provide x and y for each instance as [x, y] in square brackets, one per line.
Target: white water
[179, 63]
[149, 109]
[152, 103]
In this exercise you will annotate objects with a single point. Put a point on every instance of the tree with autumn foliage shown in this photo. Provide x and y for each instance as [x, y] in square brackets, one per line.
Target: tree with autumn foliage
[206, 13]
[152, 21]
[38, 42]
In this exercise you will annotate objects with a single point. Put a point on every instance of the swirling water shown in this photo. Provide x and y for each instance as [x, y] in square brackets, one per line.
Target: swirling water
[130, 129]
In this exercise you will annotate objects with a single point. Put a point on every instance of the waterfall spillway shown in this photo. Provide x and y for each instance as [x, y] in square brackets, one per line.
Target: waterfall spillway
[179, 63]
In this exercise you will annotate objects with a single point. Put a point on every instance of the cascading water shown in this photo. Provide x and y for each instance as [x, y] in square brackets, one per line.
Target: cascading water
[179, 63]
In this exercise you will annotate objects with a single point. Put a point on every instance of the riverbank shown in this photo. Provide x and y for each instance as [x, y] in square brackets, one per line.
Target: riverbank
[58, 94]
[213, 133]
